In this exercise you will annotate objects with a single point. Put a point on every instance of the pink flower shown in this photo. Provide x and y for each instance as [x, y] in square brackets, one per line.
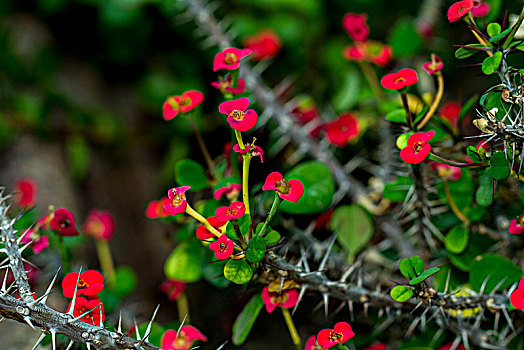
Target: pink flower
[183, 341]
[516, 227]
[224, 85]
[265, 44]
[459, 9]
[178, 203]
[155, 209]
[288, 298]
[356, 27]
[99, 224]
[382, 56]
[229, 58]
[355, 52]
[372, 51]
[434, 65]
[341, 333]
[181, 104]
[91, 283]
[237, 116]
[63, 221]
[39, 243]
[379, 346]
[172, 288]
[451, 111]
[480, 8]
[312, 344]
[290, 190]
[399, 80]
[417, 149]
[25, 193]
[517, 297]
[203, 233]
[342, 130]
[230, 190]
[255, 151]
[447, 172]
[223, 247]
[234, 211]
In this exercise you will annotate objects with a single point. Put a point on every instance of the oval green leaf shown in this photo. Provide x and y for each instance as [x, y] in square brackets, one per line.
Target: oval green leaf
[457, 239]
[484, 194]
[493, 29]
[397, 116]
[190, 173]
[184, 262]
[424, 275]
[493, 268]
[411, 267]
[464, 52]
[491, 64]
[272, 237]
[238, 271]
[353, 226]
[401, 293]
[499, 165]
[246, 319]
[256, 249]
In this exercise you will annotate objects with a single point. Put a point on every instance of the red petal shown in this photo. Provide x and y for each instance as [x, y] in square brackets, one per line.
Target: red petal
[271, 179]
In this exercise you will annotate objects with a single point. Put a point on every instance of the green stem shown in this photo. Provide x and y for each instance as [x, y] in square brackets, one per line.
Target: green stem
[272, 211]
[182, 306]
[106, 261]
[64, 254]
[238, 135]
[514, 30]
[443, 160]
[203, 220]
[245, 181]
[436, 101]
[405, 103]
[292, 329]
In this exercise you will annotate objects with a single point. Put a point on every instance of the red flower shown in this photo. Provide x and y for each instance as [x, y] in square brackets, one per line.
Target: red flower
[178, 203]
[25, 193]
[447, 172]
[379, 346]
[172, 288]
[229, 58]
[231, 191]
[517, 297]
[39, 243]
[449, 345]
[64, 222]
[372, 51]
[256, 151]
[83, 305]
[399, 80]
[265, 44]
[417, 149]
[181, 104]
[288, 298]
[224, 85]
[223, 247]
[155, 209]
[234, 211]
[459, 9]
[355, 52]
[183, 341]
[99, 224]
[312, 344]
[341, 333]
[434, 65]
[91, 283]
[290, 190]
[516, 227]
[480, 8]
[305, 110]
[342, 130]
[237, 116]
[451, 111]
[382, 56]
[356, 27]
[203, 233]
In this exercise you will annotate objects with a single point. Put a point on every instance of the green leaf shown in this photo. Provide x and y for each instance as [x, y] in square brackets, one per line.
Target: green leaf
[484, 194]
[213, 273]
[401, 293]
[462, 190]
[238, 271]
[184, 262]
[411, 267]
[457, 239]
[256, 249]
[493, 29]
[463, 52]
[467, 107]
[397, 116]
[353, 226]
[244, 222]
[473, 154]
[246, 319]
[318, 188]
[404, 38]
[347, 94]
[272, 237]
[190, 173]
[427, 273]
[500, 35]
[126, 281]
[499, 166]
[491, 64]
[495, 267]
[397, 190]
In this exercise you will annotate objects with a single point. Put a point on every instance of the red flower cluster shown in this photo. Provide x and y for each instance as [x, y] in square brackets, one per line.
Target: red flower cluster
[286, 299]
[265, 44]
[171, 340]
[290, 190]
[399, 80]
[99, 224]
[87, 286]
[417, 149]
[181, 104]
[341, 333]
[517, 297]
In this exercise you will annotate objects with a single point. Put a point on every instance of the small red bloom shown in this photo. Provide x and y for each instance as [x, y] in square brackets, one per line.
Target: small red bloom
[341, 333]
[181, 104]
[449, 345]
[177, 197]
[229, 58]
[224, 85]
[155, 209]
[342, 130]
[312, 344]
[434, 65]
[383, 55]
[234, 211]
[64, 222]
[459, 9]
[447, 172]
[265, 44]
[223, 247]
[203, 233]
[399, 80]
[480, 8]
[288, 298]
[99, 224]
[372, 51]
[183, 341]
[91, 283]
[379, 346]
[355, 52]
[451, 111]
[290, 190]
[417, 149]
[516, 227]
[256, 151]
[305, 110]
[83, 305]
[39, 243]
[517, 297]
[231, 191]
[172, 288]
[25, 193]
[356, 27]
[237, 116]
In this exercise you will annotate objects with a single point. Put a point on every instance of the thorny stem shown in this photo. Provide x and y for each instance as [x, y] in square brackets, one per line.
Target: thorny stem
[246, 160]
[514, 30]
[203, 148]
[182, 306]
[292, 329]
[405, 103]
[106, 261]
[371, 77]
[272, 211]
[203, 220]
[446, 161]
[436, 101]
[453, 205]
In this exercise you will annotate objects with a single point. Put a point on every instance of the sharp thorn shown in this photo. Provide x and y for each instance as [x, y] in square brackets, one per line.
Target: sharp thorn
[39, 340]
[73, 301]
[28, 321]
[70, 345]
[326, 255]
[300, 295]
[148, 330]
[84, 314]
[119, 329]
[53, 338]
